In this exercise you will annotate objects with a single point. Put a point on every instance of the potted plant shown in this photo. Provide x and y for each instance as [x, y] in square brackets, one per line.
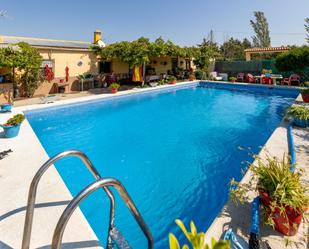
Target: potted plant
[305, 95]
[232, 79]
[197, 240]
[191, 77]
[114, 87]
[7, 107]
[299, 114]
[281, 192]
[12, 126]
[172, 80]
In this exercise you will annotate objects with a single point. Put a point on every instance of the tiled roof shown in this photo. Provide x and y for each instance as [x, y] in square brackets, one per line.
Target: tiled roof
[37, 42]
[269, 49]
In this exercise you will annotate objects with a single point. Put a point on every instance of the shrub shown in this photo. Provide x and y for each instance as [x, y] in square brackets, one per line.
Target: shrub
[232, 79]
[296, 60]
[199, 74]
[15, 120]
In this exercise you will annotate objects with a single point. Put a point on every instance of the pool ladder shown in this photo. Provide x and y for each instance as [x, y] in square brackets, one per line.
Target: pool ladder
[115, 238]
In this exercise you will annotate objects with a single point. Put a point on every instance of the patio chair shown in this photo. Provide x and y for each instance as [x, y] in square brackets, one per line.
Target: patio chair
[250, 78]
[267, 80]
[293, 79]
[240, 77]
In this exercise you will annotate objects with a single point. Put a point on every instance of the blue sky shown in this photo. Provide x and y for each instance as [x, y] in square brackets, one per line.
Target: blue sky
[184, 22]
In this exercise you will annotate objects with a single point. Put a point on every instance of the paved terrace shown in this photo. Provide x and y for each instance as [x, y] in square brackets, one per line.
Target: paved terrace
[17, 170]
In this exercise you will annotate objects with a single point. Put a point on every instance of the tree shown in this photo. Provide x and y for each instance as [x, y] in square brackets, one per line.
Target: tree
[27, 61]
[260, 27]
[233, 49]
[307, 28]
[203, 55]
[139, 51]
[296, 60]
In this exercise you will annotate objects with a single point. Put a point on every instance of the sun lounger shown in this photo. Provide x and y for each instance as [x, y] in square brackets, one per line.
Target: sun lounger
[214, 76]
[49, 99]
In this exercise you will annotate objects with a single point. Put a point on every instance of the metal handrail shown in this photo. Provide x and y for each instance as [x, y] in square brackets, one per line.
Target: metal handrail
[34, 186]
[104, 182]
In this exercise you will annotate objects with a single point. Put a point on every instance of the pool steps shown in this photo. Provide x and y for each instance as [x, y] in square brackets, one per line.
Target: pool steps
[115, 237]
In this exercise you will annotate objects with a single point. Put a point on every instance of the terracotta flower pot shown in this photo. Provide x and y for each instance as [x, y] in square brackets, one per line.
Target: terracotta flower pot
[305, 97]
[173, 82]
[114, 90]
[287, 222]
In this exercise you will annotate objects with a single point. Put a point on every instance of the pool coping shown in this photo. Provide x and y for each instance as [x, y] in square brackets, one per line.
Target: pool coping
[32, 141]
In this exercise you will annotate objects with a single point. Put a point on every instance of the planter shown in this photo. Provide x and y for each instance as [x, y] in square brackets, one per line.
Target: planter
[300, 122]
[10, 131]
[233, 81]
[6, 107]
[305, 97]
[173, 82]
[286, 223]
[114, 90]
[153, 84]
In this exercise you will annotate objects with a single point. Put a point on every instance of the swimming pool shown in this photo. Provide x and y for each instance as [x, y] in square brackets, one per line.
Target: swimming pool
[175, 151]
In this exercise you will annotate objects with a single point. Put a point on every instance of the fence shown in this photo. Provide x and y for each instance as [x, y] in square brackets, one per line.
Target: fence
[232, 68]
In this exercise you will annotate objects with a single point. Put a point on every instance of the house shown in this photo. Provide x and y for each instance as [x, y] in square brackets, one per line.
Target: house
[59, 54]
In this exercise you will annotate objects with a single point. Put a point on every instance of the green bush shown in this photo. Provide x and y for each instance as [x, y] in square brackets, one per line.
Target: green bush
[199, 74]
[296, 60]
[15, 120]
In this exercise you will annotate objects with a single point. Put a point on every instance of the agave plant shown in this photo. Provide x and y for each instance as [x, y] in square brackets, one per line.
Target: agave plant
[196, 239]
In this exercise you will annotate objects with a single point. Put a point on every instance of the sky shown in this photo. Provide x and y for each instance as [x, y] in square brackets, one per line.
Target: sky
[184, 22]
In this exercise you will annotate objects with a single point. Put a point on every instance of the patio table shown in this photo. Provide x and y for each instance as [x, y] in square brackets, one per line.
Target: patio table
[82, 81]
[274, 77]
[152, 78]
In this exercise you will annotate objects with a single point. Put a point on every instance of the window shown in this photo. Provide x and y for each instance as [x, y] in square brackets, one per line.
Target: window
[105, 67]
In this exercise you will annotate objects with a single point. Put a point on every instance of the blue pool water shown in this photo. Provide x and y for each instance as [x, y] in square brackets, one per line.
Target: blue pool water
[175, 152]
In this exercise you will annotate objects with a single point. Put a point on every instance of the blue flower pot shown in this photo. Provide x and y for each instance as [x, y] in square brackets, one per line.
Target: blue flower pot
[300, 122]
[11, 131]
[6, 107]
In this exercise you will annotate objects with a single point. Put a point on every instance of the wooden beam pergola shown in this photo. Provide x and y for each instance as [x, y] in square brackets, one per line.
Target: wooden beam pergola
[250, 51]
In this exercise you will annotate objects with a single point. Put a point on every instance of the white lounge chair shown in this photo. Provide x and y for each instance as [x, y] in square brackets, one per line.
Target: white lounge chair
[49, 98]
[214, 76]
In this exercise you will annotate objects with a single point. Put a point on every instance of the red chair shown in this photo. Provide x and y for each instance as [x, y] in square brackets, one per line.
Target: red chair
[250, 78]
[293, 79]
[240, 77]
[267, 80]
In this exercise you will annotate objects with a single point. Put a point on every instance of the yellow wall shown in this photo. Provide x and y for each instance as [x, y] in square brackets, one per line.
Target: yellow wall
[70, 58]
[119, 66]
[159, 66]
